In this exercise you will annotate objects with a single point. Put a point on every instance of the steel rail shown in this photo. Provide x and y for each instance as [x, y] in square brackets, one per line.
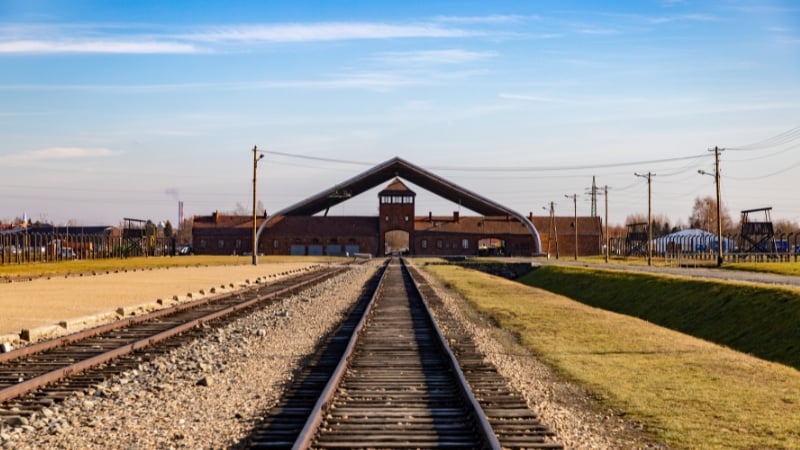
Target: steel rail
[315, 417]
[463, 384]
[34, 383]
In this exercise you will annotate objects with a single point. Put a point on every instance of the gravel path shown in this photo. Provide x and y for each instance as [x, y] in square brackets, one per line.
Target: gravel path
[211, 392]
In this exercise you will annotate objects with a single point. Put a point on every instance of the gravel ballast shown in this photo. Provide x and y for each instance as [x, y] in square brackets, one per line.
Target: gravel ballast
[210, 393]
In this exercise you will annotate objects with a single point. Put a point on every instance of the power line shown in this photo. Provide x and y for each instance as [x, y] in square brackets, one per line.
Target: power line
[499, 168]
[774, 141]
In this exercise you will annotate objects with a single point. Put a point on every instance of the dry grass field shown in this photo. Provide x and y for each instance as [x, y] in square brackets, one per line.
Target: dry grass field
[687, 392]
[39, 295]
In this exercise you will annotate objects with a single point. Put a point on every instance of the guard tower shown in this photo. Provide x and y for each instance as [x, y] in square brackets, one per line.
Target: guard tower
[757, 237]
[636, 239]
[396, 214]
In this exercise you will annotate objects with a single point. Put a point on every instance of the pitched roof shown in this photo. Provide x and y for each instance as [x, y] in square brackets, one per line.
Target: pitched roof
[397, 167]
[397, 186]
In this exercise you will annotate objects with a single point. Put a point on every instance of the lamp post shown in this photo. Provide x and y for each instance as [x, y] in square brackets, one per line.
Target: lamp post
[574, 198]
[649, 177]
[553, 229]
[256, 157]
[716, 151]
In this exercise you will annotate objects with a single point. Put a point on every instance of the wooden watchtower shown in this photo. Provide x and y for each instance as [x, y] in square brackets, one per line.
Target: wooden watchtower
[757, 236]
[636, 239]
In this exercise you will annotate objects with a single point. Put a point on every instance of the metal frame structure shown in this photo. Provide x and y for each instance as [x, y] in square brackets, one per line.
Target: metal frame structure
[757, 237]
[397, 167]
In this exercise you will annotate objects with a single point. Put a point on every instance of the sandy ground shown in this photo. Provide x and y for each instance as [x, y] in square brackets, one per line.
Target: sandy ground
[45, 302]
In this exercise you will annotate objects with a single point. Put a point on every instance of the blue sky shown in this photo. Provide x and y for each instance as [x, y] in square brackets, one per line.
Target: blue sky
[120, 109]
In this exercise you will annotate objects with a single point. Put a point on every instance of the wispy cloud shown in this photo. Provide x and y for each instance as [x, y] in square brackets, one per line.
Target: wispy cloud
[69, 153]
[57, 154]
[427, 57]
[492, 19]
[96, 46]
[325, 31]
[529, 98]
[98, 39]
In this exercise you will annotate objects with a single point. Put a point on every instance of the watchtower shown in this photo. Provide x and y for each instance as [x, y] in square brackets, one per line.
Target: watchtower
[636, 239]
[396, 217]
[757, 237]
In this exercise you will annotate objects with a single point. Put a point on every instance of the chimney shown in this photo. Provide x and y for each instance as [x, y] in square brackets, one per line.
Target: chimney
[215, 216]
[455, 216]
[430, 216]
[530, 216]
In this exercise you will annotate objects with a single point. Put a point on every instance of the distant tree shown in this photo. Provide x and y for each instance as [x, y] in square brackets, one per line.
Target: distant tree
[785, 226]
[168, 232]
[660, 224]
[150, 228]
[242, 210]
[184, 234]
[704, 216]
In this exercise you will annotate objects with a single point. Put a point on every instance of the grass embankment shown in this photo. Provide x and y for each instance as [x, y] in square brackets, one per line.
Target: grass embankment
[688, 392]
[103, 265]
[753, 319]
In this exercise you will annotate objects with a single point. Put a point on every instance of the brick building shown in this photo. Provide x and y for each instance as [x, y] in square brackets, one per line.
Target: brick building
[398, 228]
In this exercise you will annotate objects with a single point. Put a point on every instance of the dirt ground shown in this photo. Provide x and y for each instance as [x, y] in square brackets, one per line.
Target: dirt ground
[48, 301]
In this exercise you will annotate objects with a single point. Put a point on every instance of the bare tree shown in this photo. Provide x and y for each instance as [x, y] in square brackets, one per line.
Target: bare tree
[242, 210]
[785, 226]
[704, 216]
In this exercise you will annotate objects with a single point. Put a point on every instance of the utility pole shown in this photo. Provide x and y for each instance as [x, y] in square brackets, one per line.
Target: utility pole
[256, 157]
[719, 207]
[716, 151]
[553, 233]
[649, 177]
[605, 193]
[574, 198]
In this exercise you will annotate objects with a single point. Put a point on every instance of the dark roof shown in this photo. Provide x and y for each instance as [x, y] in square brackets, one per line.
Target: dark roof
[397, 167]
[397, 186]
[51, 229]
[324, 226]
[504, 225]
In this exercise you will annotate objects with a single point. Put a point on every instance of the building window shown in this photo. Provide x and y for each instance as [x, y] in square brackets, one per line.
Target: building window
[424, 243]
[220, 243]
[439, 243]
[275, 244]
[387, 218]
[465, 244]
[406, 218]
[202, 243]
[238, 244]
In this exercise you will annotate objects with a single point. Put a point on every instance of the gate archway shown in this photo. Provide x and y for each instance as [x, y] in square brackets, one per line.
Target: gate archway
[397, 241]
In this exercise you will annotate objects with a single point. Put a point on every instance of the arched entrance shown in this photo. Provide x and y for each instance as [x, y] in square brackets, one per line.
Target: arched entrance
[491, 247]
[396, 241]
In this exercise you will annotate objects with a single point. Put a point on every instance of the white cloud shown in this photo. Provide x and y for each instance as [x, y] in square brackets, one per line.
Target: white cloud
[492, 19]
[426, 57]
[95, 46]
[98, 39]
[528, 98]
[69, 153]
[325, 31]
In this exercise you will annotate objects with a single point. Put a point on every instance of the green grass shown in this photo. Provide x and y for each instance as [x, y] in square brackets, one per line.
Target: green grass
[102, 265]
[687, 392]
[752, 319]
[782, 268]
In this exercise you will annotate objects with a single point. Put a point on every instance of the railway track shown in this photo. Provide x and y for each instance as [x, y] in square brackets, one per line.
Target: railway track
[42, 374]
[387, 379]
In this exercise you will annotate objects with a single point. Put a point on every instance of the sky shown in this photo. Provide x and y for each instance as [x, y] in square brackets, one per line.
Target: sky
[122, 109]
